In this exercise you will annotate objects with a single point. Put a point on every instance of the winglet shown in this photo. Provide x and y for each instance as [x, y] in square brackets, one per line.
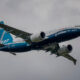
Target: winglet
[75, 62]
[1, 22]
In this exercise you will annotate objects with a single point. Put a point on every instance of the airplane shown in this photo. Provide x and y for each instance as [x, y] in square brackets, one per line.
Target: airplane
[46, 41]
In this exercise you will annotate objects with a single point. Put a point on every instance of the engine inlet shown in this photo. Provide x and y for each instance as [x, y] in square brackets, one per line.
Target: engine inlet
[69, 47]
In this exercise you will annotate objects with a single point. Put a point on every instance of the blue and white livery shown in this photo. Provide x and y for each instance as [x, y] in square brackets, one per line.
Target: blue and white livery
[47, 41]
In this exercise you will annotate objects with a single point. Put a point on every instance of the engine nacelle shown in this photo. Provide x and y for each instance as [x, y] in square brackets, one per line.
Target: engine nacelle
[65, 49]
[37, 37]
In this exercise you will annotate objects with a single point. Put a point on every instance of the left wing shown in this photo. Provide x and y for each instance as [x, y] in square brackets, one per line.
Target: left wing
[69, 57]
[54, 50]
[16, 32]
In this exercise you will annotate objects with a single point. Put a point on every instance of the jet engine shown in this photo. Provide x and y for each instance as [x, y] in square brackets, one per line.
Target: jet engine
[37, 37]
[65, 49]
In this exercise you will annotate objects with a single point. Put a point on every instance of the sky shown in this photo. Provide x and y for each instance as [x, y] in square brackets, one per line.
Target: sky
[34, 16]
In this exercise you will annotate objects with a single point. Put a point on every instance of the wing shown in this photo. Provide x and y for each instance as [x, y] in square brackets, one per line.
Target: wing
[70, 58]
[53, 50]
[16, 32]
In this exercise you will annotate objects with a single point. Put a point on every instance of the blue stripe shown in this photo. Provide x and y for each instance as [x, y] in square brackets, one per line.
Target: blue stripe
[68, 31]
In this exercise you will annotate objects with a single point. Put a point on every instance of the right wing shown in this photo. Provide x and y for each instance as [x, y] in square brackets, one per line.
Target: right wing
[16, 32]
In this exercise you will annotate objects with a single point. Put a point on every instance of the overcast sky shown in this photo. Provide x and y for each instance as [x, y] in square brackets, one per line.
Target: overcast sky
[35, 16]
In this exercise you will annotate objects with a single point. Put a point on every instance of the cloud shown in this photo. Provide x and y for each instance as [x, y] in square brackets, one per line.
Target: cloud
[34, 16]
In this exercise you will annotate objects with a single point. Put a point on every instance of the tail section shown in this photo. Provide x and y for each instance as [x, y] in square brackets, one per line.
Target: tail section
[5, 37]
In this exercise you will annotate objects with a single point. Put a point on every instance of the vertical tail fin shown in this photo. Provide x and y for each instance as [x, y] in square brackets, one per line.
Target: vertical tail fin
[5, 37]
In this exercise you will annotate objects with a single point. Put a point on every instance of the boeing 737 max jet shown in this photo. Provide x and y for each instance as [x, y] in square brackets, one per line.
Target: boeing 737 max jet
[48, 42]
